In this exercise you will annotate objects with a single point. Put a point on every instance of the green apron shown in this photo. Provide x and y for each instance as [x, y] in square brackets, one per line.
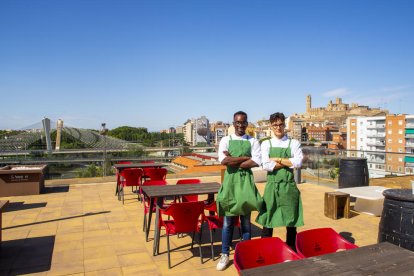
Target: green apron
[282, 203]
[238, 194]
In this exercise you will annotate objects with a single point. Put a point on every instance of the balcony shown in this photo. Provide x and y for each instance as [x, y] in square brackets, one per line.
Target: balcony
[376, 135]
[376, 143]
[376, 160]
[375, 126]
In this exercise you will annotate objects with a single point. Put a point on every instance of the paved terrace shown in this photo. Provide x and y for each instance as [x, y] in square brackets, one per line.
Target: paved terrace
[82, 229]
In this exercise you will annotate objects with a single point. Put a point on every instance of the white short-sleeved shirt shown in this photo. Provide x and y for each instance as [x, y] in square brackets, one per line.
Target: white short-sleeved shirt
[296, 151]
[255, 151]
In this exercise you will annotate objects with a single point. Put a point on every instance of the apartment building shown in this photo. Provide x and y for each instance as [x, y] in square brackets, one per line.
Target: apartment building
[197, 131]
[386, 141]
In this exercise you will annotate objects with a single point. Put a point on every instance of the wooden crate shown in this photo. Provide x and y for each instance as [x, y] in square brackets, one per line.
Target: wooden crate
[337, 205]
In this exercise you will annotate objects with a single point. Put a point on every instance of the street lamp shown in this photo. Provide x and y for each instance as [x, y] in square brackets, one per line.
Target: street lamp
[103, 132]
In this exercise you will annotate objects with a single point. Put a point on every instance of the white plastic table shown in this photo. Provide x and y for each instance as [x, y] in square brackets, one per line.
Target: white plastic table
[369, 199]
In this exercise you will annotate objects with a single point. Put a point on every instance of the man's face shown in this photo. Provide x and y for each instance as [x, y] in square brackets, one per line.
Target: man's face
[240, 124]
[278, 128]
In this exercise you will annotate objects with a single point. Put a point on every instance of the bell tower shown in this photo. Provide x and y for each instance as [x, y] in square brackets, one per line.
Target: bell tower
[308, 103]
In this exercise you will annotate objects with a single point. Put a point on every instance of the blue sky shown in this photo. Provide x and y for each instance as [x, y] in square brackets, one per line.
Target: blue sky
[156, 64]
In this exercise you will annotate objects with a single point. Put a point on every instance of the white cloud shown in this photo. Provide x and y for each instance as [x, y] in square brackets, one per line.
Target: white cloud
[338, 92]
[378, 100]
[395, 88]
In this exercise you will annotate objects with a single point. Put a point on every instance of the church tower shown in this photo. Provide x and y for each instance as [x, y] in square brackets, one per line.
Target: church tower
[308, 103]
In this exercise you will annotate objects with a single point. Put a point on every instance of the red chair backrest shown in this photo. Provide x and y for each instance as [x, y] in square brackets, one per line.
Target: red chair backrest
[185, 215]
[261, 252]
[189, 198]
[156, 173]
[121, 162]
[319, 241]
[131, 177]
[148, 162]
[154, 183]
[151, 183]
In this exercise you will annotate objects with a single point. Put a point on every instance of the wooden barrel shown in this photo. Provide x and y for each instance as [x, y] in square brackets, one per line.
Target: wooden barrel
[353, 172]
[397, 220]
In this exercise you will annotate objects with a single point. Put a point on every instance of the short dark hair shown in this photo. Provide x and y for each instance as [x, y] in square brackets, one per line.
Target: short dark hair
[240, 113]
[277, 116]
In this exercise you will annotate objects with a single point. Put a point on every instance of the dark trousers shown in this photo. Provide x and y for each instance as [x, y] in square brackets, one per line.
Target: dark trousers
[290, 235]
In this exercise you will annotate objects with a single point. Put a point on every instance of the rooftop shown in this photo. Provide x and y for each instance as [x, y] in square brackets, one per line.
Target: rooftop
[80, 228]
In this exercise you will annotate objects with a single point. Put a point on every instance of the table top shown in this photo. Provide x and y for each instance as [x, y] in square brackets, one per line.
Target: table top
[184, 189]
[365, 192]
[383, 258]
[139, 165]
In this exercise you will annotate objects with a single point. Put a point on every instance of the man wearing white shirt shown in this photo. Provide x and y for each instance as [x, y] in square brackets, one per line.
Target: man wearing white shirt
[282, 202]
[238, 195]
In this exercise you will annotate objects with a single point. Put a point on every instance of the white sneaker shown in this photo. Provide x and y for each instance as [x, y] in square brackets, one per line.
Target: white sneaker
[223, 262]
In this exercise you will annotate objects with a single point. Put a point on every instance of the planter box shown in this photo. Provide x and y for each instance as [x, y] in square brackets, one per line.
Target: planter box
[17, 180]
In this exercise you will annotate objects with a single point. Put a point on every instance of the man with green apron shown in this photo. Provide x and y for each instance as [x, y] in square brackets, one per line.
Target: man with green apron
[238, 195]
[282, 202]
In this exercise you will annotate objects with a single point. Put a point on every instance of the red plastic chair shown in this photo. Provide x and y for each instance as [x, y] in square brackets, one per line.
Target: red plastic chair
[145, 176]
[146, 201]
[216, 222]
[261, 252]
[320, 241]
[186, 217]
[156, 173]
[117, 175]
[189, 198]
[129, 177]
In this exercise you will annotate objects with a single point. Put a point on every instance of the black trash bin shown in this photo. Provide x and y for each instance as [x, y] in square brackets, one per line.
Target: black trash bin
[353, 172]
[397, 220]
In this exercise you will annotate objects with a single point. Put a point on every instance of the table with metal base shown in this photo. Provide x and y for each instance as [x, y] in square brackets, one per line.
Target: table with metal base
[160, 192]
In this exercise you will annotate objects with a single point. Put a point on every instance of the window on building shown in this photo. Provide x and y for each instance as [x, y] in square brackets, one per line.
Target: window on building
[399, 159]
[399, 169]
[389, 123]
[400, 141]
[400, 131]
[399, 149]
[389, 168]
[353, 140]
[389, 158]
[390, 131]
[390, 141]
[400, 122]
[353, 124]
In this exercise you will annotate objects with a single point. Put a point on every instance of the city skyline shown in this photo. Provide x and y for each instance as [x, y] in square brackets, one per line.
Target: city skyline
[155, 64]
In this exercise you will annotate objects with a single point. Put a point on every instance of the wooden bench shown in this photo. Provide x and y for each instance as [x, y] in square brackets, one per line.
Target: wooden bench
[337, 205]
[3, 204]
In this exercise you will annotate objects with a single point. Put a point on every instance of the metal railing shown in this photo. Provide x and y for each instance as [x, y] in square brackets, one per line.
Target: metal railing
[320, 165]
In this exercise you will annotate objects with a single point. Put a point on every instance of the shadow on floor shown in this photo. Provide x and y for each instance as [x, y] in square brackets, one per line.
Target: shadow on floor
[20, 205]
[59, 219]
[26, 256]
[347, 236]
[56, 189]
